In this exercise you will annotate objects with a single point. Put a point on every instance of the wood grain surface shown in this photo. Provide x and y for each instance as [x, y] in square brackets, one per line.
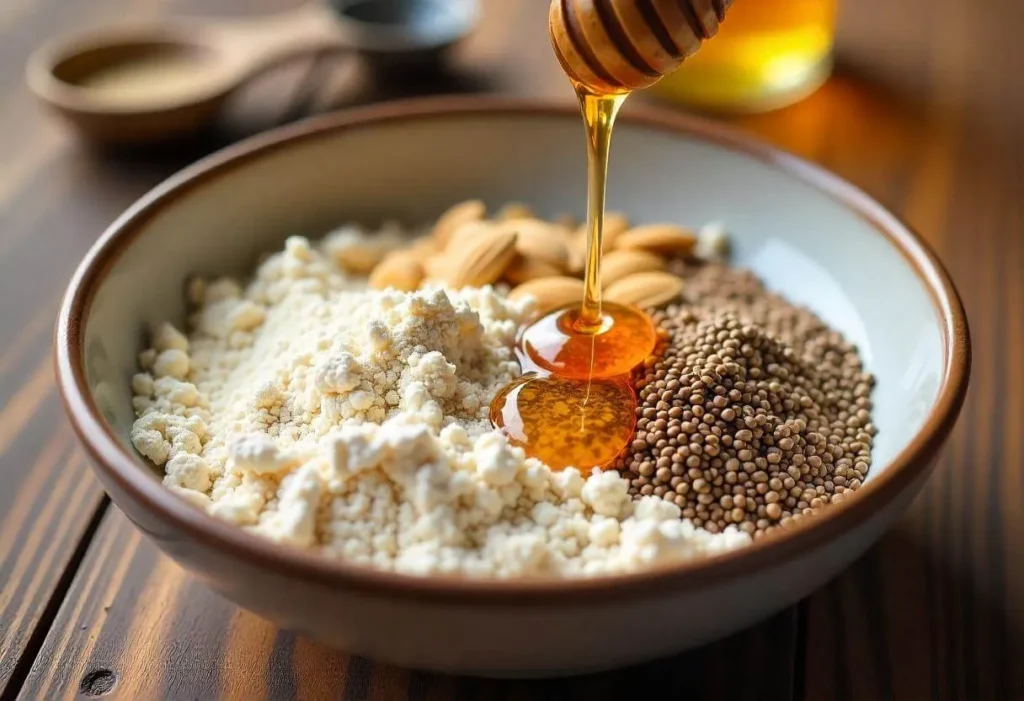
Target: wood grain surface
[924, 115]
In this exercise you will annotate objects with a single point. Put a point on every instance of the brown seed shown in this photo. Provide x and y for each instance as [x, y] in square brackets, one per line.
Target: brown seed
[760, 408]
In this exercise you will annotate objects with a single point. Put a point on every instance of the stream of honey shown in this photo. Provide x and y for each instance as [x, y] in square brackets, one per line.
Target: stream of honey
[574, 404]
[599, 113]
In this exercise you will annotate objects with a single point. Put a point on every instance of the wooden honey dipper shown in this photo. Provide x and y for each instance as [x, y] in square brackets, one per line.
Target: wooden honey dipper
[615, 46]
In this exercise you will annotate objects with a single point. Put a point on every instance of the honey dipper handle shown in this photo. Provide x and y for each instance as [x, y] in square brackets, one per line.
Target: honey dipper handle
[614, 46]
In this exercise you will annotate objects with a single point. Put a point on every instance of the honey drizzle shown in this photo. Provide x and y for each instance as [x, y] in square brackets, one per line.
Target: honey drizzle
[537, 412]
[599, 113]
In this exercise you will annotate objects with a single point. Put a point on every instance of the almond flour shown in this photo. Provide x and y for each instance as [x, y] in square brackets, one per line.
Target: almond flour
[309, 408]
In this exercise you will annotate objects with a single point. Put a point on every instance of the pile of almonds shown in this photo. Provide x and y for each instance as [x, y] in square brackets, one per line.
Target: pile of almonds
[543, 259]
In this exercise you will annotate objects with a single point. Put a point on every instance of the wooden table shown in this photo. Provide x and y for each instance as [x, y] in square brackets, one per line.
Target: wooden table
[925, 115]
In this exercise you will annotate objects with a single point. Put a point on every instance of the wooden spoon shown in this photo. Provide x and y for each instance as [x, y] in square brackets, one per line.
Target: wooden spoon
[157, 81]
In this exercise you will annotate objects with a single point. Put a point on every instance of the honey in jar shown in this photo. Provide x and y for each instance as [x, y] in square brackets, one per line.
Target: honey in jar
[767, 54]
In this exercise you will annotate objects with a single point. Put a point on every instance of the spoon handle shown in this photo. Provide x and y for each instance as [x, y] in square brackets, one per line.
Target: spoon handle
[611, 47]
[252, 45]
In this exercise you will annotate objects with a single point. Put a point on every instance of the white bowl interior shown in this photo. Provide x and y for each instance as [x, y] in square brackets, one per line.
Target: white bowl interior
[802, 242]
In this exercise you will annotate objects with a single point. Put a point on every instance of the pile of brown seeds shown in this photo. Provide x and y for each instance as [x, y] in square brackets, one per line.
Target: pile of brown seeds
[755, 415]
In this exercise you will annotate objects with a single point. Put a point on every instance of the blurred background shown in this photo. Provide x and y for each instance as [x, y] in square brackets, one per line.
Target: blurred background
[871, 73]
[770, 54]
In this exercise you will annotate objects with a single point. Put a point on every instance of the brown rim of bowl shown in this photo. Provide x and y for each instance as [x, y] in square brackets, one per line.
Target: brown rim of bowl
[124, 469]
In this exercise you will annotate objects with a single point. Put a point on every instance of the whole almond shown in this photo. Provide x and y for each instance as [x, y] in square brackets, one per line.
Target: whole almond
[566, 221]
[456, 216]
[550, 292]
[469, 230]
[624, 262]
[424, 246]
[650, 289]
[539, 240]
[435, 266]
[514, 210]
[360, 253]
[482, 261]
[667, 239]
[400, 270]
[525, 269]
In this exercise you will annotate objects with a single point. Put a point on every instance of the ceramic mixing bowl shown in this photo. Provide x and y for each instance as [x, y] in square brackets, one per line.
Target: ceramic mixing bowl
[812, 237]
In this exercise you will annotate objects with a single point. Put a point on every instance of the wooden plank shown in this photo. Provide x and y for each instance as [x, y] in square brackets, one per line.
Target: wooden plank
[135, 621]
[48, 500]
[47, 518]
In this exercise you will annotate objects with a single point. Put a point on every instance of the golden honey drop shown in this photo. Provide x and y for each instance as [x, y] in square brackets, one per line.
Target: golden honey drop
[557, 342]
[565, 423]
